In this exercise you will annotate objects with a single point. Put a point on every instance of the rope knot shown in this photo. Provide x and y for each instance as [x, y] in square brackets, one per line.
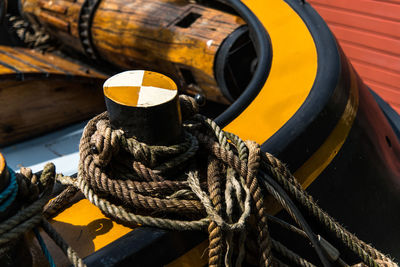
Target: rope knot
[189, 107]
[105, 142]
[212, 179]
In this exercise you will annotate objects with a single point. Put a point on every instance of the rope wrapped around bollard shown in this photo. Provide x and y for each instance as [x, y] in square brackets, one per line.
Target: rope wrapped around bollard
[212, 181]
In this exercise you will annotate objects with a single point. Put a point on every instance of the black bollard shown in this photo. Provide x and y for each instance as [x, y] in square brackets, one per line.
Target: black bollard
[145, 105]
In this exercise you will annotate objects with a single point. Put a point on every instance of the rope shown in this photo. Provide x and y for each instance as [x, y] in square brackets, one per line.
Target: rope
[44, 248]
[212, 181]
[31, 35]
[367, 253]
[32, 194]
[7, 196]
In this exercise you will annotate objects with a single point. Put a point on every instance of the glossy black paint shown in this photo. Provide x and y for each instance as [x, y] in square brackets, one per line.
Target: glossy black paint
[361, 187]
[155, 125]
[261, 42]
[315, 119]
[145, 247]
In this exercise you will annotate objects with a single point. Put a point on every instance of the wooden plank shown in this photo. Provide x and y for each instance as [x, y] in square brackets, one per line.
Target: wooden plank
[54, 21]
[33, 107]
[152, 33]
[18, 65]
[45, 64]
[53, 7]
[41, 92]
[6, 69]
[32, 62]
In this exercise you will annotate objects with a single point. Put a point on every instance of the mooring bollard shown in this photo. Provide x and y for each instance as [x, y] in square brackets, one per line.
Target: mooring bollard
[145, 105]
[15, 252]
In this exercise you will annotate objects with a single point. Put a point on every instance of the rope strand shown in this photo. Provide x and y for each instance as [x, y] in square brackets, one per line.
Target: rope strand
[211, 181]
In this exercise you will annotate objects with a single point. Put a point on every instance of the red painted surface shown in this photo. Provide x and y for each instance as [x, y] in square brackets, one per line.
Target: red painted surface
[369, 33]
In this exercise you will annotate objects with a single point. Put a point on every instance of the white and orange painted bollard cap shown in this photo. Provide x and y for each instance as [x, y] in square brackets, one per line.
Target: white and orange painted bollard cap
[145, 105]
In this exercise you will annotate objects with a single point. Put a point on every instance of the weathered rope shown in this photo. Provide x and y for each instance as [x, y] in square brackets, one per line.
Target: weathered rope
[211, 181]
[367, 253]
[32, 195]
[31, 35]
[44, 248]
[7, 196]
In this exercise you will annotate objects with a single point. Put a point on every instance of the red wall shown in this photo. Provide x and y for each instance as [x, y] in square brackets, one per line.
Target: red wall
[369, 33]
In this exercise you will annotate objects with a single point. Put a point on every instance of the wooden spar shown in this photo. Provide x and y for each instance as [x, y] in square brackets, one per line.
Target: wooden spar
[41, 92]
[173, 37]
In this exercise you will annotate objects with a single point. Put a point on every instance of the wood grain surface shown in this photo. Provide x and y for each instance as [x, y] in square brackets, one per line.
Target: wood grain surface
[42, 92]
[174, 37]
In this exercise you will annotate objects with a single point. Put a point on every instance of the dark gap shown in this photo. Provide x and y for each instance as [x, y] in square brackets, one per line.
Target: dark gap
[188, 20]
[188, 76]
[388, 141]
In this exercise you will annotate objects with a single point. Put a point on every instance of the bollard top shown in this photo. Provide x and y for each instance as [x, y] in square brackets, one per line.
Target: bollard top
[145, 105]
[140, 88]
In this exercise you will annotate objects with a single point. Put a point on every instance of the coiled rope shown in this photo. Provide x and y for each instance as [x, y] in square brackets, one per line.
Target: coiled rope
[212, 181]
[7, 196]
[27, 195]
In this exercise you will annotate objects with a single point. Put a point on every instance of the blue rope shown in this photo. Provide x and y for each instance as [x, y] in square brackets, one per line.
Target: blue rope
[44, 248]
[8, 195]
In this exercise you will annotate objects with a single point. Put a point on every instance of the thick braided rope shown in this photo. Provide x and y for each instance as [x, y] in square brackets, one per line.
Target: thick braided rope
[145, 179]
[92, 179]
[289, 182]
[215, 247]
[100, 181]
[251, 188]
[7, 196]
[120, 213]
[365, 251]
[59, 202]
[290, 255]
[255, 191]
[29, 217]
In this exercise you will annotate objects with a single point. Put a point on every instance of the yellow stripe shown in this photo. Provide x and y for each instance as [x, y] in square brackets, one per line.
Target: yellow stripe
[314, 166]
[292, 74]
[293, 71]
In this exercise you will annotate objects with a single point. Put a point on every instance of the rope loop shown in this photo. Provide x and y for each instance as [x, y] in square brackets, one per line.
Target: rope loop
[32, 194]
[212, 181]
[7, 196]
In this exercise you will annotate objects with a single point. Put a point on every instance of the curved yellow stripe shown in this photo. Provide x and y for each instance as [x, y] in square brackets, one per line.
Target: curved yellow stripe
[314, 166]
[293, 71]
[292, 75]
